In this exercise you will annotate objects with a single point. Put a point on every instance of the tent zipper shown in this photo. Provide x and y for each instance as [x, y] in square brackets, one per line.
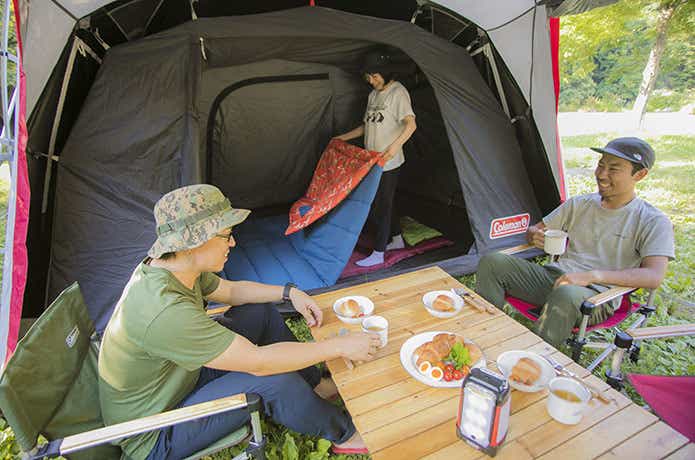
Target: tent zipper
[202, 48]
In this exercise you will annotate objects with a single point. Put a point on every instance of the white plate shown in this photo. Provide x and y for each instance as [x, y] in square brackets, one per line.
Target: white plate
[428, 298]
[408, 359]
[366, 304]
[507, 360]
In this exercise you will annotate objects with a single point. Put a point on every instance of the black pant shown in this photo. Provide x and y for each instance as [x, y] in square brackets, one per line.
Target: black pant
[382, 215]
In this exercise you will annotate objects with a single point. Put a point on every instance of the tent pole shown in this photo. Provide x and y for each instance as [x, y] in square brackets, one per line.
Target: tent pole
[83, 48]
[493, 65]
[154, 13]
[125, 35]
[56, 125]
[5, 41]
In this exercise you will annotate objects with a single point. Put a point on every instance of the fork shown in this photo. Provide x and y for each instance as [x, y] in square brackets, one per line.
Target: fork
[468, 298]
[562, 370]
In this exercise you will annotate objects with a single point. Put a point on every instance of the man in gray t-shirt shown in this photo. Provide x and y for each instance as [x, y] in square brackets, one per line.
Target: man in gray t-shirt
[615, 238]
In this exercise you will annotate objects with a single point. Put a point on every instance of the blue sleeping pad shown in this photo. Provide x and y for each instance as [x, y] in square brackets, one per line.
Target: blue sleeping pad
[311, 258]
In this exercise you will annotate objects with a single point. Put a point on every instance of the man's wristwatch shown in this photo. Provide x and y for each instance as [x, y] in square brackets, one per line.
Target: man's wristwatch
[286, 291]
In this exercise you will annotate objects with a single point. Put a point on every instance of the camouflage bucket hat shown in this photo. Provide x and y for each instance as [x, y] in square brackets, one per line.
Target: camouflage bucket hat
[189, 216]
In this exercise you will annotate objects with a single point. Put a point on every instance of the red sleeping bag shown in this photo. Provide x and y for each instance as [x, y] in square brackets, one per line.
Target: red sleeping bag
[341, 168]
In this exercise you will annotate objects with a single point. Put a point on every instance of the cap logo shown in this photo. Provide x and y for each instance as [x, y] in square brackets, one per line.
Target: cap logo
[637, 156]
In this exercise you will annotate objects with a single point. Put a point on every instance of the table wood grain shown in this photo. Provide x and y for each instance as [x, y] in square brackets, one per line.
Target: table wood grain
[401, 418]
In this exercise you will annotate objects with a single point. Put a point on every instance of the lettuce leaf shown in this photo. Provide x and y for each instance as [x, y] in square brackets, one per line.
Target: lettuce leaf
[459, 355]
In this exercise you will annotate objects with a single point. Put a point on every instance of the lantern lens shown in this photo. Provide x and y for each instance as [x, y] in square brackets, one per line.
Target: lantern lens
[477, 413]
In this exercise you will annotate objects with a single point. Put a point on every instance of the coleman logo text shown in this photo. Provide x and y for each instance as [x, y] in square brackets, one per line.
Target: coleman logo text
[512, 225]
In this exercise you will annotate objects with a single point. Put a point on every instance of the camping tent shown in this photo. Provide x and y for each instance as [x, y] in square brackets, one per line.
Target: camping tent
[117, 92]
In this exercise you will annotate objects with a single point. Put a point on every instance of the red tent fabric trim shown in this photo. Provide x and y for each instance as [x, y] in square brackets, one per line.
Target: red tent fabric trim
[19, 249]
[341, 168]
[554, 30]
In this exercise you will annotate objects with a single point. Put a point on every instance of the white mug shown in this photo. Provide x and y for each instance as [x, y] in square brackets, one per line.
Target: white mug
[377, 325]
[555, 242]
[563, 410]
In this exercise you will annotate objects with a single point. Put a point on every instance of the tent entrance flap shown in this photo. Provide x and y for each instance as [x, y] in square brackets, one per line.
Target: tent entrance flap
[266, 130]
[238, 85]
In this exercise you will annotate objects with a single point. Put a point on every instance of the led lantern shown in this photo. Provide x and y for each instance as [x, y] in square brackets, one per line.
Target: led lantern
[483, 417]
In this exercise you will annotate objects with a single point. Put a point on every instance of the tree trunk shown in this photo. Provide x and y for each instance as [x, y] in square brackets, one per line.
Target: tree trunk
[651, 70]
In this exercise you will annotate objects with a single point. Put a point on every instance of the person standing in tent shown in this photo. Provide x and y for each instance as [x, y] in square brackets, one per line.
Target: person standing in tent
[161, 351]
[388, 123]
[615, 238]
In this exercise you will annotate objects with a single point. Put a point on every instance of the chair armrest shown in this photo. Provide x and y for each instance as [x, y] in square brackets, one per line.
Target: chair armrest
[659, 332]
[517, 249]
[610, 294]
[212, 312]
[142, 425]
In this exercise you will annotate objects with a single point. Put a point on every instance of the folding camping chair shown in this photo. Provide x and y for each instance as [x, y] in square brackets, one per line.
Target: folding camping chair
[670, 397]
[625, 341]
[578, 341]
[50, 387]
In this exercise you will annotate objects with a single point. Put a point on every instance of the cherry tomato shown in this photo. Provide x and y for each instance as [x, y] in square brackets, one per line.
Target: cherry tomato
[447, 376]
[457, 374]
[449, 368]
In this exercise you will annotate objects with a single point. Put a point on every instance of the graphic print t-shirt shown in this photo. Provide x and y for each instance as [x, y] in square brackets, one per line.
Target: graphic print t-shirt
[383, 120]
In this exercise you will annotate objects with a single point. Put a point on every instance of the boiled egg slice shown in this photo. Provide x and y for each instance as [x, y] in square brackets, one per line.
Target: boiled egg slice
[425, 367]
[436, 373]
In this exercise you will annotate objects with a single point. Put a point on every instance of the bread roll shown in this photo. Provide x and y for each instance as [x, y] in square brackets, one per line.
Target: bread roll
[443, 303]
[526, 371]
[350, 308]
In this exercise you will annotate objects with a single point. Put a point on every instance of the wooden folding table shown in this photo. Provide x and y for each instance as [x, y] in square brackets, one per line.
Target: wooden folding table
[401, 418]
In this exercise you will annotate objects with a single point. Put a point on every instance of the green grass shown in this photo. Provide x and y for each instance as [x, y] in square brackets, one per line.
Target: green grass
[670, 186]
[4, 191]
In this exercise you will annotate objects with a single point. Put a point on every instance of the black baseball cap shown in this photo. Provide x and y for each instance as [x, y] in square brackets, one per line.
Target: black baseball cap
[377, 61]
[631, 149]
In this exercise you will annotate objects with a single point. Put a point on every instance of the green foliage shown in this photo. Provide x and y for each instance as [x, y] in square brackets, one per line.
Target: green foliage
[604, 52]
[9, 449]
[284, 444]
[4, 192]
[669, 101]
[11, 42]
[299, 328]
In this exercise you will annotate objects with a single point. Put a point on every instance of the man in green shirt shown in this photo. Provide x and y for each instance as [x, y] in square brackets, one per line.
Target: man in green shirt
[161, 351]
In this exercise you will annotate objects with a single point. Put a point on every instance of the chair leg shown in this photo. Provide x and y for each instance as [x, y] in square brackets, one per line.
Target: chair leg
[600, 358]
[645, 312]
[577, 343]
[256, 447]
[614, 376]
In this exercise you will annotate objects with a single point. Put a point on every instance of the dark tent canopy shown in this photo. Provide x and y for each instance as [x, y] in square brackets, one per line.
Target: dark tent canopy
[144, 130]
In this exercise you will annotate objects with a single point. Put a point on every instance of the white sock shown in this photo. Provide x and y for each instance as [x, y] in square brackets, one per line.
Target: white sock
[396, 243]
[375, 258]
